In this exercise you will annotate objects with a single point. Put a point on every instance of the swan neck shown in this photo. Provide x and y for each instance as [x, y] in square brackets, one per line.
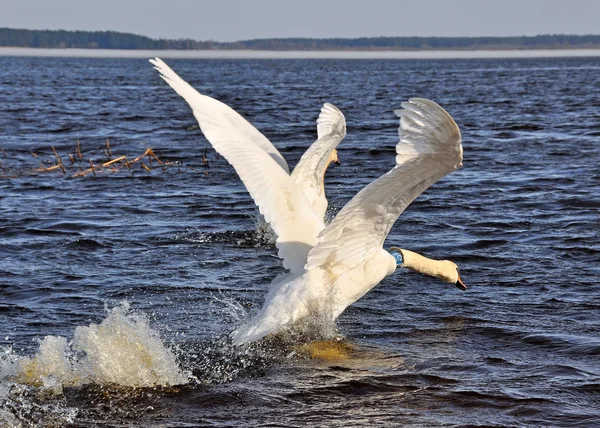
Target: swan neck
[422, 264]
[323, 178]
[333, 157]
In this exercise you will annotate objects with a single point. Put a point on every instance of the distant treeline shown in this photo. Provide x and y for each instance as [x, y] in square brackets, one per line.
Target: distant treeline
[116, 40]
[91, 40]
[558, 41]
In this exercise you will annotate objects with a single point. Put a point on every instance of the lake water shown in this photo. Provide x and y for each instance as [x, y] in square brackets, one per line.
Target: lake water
[139, 275]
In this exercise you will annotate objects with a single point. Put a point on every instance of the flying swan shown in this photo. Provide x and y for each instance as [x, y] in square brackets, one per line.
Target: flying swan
[349, 259]
[228, 131]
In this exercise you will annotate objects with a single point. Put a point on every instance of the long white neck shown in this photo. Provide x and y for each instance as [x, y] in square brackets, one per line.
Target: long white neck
[323, 177]
[442, 269]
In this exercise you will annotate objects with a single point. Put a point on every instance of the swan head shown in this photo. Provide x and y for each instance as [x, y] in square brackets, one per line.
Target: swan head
[451, 274]
[334, 157]
[445, 270]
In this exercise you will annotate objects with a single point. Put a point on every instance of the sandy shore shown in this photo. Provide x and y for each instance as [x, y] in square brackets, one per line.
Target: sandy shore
[249, 54]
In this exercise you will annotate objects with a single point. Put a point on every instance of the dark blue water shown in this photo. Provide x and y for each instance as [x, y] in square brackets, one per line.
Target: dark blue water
[177, 242]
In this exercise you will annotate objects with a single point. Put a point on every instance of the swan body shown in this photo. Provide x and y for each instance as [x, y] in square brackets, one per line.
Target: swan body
[231, 135]
[348, 259]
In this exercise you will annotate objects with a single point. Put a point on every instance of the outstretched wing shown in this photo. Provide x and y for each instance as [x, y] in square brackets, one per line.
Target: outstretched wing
[278, 198]
[310, 171]
[429, 148]
[227, 117]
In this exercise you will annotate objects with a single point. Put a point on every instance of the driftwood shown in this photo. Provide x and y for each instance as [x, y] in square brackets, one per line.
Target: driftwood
[119, 163]
[77, 166]
[111, 165]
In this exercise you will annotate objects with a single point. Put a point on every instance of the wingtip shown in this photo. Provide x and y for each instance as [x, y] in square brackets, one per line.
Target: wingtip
[422, 107]
[425, 127]
[331, 106]
[159, 65]
[331, 120]
[164, 71]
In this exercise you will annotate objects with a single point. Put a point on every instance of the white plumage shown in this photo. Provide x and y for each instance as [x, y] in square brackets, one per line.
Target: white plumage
[216, 115]
[330, 268]
[349, 258]
[429, 148]
[294, 206]
[309, 174]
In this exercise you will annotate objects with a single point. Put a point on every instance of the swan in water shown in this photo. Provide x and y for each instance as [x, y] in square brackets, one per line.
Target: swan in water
[330, 271]
[229, 133]
[349, 259]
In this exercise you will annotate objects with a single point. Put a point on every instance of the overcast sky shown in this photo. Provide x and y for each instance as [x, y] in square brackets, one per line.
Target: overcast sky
[227, 20]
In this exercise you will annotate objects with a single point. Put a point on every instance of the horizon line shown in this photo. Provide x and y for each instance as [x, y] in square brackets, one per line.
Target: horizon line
[307, 37]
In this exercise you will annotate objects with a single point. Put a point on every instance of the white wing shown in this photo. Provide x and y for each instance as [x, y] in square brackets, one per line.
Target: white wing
[228, 116]
[278, 198]
[429, 148]
[309, 173]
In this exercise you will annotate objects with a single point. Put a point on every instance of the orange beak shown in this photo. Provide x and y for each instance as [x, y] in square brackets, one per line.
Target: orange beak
[460, 285]
[334, 157]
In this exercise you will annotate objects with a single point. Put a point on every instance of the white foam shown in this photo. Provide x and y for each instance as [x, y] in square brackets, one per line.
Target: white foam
[122, 350]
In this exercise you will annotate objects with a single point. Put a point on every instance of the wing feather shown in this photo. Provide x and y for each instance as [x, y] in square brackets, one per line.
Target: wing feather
[226, 114]
[429, 148]
[331, 121]
[278, 198]
[309, 172]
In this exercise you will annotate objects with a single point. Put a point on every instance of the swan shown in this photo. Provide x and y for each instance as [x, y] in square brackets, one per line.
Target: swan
[349, 259]
[429, 148]
[228, 131]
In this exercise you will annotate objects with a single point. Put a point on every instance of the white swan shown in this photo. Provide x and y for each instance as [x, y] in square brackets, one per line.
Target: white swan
[349, 258]
[228, 131]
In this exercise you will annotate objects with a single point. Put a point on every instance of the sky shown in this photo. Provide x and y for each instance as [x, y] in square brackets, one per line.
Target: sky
[230, 20]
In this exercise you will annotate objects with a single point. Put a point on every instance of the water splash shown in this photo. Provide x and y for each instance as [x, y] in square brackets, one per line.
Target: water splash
[265, 235]
[261, 236]
[122, 350]
[105, 371]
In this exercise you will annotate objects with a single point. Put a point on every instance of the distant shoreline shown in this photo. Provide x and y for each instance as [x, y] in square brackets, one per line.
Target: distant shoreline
[81, 39]
[261, 54]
